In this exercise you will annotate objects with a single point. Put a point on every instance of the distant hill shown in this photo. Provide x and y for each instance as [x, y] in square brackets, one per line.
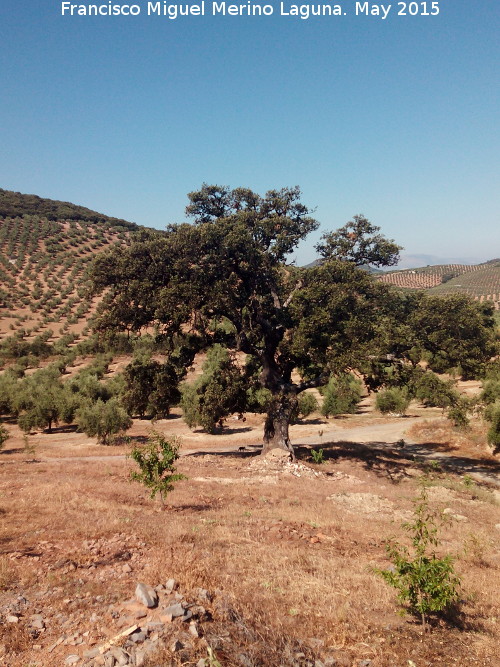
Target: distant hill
[15, 204]
[480, 281]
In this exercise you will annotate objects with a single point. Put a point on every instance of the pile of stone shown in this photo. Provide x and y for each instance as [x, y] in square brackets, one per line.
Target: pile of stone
[279, 462]
[156, 626]
[154, 617]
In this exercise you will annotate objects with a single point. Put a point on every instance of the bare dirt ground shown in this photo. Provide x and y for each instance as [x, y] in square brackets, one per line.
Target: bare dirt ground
[287, 554]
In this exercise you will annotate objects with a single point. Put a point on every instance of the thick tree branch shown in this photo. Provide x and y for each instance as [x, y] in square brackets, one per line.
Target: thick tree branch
[290, 296]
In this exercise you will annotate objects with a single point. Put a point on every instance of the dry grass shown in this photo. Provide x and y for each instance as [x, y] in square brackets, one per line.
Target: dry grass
[467, 442]
[290, 559]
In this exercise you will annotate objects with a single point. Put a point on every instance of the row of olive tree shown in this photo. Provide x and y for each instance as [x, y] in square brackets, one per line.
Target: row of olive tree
[42, 400]
[101, 407]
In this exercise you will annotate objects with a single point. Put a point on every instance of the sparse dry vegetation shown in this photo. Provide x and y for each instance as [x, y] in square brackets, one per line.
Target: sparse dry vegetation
[285, 551]
[289, 557]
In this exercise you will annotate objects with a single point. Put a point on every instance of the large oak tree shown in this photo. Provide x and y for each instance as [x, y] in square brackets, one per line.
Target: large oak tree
[230, 268]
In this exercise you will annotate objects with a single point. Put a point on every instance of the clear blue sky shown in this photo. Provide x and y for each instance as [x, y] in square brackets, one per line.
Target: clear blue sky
[397, 119]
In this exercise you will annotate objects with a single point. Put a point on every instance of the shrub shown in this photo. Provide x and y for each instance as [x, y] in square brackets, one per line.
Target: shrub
[4, 435]
[492, 414]
[460, 411]
[257, 399]
[306, 405]
[218, 393]
[102, 419]
[394, 400]
[434, 392]
[150, 387]
[426, 584]
[491, 391]
[341, 395]
[156, 462]
[317, 455]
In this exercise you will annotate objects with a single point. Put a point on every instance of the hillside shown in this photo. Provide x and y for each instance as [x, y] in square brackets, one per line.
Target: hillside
[480, 281]
[43, 262]
[14, 204]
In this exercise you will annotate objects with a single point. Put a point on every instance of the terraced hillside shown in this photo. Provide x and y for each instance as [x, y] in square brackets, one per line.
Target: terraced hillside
[480, 281]
[43, 262]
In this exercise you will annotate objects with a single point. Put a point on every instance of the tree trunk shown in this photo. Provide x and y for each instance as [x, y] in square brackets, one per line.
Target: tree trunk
[277, 422]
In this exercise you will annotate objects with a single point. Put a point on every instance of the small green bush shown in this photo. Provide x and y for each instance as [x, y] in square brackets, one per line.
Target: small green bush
[317, 456]
[426, 584]
[492, 414]
[306, 405]
[491, 391]
[434, 392]
[102, 419]
[394, 400]
[4, 435]
[341, 395]
[460, 412]
[156, 462]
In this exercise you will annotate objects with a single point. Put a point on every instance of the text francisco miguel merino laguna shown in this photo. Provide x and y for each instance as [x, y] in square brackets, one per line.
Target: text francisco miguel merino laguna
[248, 8]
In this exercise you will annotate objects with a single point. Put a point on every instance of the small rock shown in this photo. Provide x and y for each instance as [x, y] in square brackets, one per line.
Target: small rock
[72, 659]
[193, 630]
[166, 618]
[171, 585]
[176, 646]
[138, 637]
[91, 653]
[146, 595]
[121, 656]
[12, 619]
[126, 568]
[201, 663]
[174, 610]
[203, 594]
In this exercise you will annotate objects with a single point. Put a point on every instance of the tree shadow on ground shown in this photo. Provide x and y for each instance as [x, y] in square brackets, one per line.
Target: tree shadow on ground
[65, 428]
[226, 430]
[13, 450]
[141, 439]
[235, 454]
[383, 462]
[190, 507]
[391, 460]
[425, 452]
[315, 420]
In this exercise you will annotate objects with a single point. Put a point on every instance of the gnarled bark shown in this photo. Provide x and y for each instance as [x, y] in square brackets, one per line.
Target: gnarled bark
[279, 414]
